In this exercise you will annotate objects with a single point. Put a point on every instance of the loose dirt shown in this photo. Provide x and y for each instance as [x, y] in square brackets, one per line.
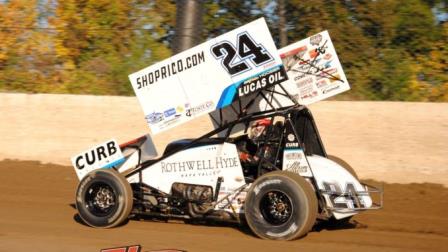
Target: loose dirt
[37, 214]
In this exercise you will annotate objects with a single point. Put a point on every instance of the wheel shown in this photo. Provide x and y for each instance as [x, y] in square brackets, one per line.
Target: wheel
[346, 221]
[280, 205]
[104, 198]
[343, 164]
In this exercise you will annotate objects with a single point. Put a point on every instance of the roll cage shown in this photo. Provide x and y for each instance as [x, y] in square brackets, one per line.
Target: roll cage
[296, 118]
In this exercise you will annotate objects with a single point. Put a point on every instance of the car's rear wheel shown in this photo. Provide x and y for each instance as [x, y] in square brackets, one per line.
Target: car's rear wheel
[280, 205]
[104, 198]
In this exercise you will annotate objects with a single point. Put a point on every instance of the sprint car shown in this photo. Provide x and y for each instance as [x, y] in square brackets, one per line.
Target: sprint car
[291, 184]
[264, 163]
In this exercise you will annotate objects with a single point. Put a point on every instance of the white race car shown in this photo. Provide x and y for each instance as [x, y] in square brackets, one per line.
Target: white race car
[263, 163]
[279, 181]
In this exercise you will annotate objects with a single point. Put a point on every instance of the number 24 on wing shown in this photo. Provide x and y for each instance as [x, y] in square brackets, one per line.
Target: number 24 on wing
[234, 60]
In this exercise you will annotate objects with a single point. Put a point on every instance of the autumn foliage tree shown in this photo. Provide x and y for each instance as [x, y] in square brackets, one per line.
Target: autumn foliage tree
[390, 49]
[90, 45]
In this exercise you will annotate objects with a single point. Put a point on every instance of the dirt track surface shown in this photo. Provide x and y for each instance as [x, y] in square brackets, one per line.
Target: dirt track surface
[36, 215]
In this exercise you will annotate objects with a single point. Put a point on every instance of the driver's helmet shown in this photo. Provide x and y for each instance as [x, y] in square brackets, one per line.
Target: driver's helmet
[258, 128]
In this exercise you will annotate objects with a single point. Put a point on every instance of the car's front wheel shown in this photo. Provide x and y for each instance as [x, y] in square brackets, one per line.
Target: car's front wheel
[104, 198]
[280, 205]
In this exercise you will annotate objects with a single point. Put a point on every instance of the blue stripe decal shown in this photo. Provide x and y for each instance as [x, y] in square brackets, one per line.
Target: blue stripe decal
[293, 149]
[229, 92]
[223, 97]
[117, 162]
[227, 96]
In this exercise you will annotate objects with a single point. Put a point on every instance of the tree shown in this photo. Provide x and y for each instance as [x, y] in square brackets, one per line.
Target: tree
[101, 42]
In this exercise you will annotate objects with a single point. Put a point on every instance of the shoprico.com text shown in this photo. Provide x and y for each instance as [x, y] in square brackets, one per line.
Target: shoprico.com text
[170, 69]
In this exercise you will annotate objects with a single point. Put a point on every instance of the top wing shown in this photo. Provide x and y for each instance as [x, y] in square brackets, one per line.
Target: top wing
[209, 76]
[314, 73]
[314, 70]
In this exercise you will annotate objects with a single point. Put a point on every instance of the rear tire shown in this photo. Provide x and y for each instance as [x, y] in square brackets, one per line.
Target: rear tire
[280, 205]
[104, 198]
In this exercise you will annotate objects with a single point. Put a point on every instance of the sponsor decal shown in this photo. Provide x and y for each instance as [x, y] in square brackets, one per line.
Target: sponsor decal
[309, 95]
[169, 112]
[320, 48]
[292, 145]
[348, 198]
[246, 48]
[332, 88]
[105, 155]
[305, 82]
[326, 73]
[293, 155]
[322, 83]
[170, 69]
[154, 118]
[257, 188]
[266, 80]
[291, 229]
[305, 66]
[316, 39]
[327, 64]
[296, 167]
[199, 168]
[299, 76]
[298, 52]
[180, 109]
[294, 161]
[200, 108]
[291, 137]
[313, 53]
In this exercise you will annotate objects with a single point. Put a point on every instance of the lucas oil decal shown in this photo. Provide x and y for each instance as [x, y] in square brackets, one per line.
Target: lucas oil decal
[266, 80]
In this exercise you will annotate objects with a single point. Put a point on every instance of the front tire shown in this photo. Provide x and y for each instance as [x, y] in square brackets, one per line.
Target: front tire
[280, 205]
[104, 198]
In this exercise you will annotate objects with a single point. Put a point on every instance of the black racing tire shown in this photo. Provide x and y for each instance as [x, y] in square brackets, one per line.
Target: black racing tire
[104, 198]
[280, 205]
[344, 165]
